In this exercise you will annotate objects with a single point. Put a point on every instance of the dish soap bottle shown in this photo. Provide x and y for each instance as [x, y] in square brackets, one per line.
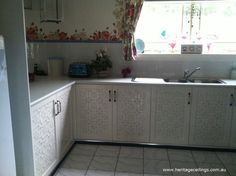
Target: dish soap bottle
[233, 72]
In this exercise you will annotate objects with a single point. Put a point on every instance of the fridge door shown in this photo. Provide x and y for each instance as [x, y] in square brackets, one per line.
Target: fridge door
[7, 154]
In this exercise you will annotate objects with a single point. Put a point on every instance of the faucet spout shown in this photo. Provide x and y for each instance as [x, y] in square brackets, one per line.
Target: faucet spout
[188, 74]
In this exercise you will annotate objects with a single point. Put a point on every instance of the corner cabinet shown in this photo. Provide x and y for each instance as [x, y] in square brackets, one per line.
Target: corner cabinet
[211, 116]
[113, 113]
[170, 116]
[51, 131]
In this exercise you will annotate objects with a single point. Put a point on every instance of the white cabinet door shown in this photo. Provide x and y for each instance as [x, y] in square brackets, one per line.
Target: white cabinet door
[131, 113]
[233, 125]
[94, 112]
[44, 139]
[64, 122]
[170, 115]
[211, 116]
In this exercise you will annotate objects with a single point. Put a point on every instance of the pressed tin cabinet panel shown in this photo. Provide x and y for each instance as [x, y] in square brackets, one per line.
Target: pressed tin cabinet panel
[94, 112]
[170, 117]
[211, 116]
[131, 113]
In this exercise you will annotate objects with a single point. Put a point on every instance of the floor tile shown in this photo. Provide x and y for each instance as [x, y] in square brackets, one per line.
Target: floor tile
[109, 151]
[227, 157]
[99, 173]
[70, 172]
[212, 166]
[127, 174]
[83, 149]
[156, 167]
[130, 165]
[77, 162]
[103, 163]
[181, 168]
[205, 157]
[131, 152]
[180, 155]
[231, 169]
[155, 153]
[153, 175]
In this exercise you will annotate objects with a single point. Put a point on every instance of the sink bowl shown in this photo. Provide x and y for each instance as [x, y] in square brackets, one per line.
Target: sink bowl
[204, 81]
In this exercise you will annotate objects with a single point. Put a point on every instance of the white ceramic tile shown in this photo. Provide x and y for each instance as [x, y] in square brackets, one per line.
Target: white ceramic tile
[176, 165]
[78, 162]
[156, 167]
[180, 155]
[131, 152]
[132, 165]
[205, 157]
[127, 174]
[109, 151]
[70, 172]
[83, 149]
[103, 163]
[155, 153]
[227, 157]
[99, 173]
[212, 166]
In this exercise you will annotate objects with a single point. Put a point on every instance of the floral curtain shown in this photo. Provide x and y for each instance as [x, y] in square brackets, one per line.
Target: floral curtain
[127, 13]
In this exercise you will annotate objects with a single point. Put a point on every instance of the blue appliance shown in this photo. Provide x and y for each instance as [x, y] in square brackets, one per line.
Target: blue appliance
[79, 70]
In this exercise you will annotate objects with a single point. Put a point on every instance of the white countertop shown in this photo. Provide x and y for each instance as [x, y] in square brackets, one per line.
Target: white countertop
[44, 87]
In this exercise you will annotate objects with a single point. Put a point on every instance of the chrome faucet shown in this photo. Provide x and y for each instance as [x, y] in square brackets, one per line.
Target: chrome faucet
[188, 74]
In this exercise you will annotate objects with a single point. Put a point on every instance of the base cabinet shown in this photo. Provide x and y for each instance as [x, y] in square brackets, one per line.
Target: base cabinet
[113, 113]
[211, 116]
[170, 117]
[233, 125]
[51, 131]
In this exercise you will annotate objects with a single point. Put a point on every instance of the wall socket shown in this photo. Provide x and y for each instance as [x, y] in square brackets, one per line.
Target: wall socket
[191, 49]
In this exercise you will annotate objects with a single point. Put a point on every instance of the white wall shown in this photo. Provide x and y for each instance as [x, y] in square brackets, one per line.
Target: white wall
[12, 28]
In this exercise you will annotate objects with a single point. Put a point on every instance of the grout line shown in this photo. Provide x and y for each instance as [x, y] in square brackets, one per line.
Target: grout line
[91, 160]
[195, 161]
[168, 156]
[222, 163]
[117, 160]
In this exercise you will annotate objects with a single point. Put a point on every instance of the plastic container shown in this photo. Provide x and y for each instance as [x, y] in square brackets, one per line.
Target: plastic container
[55, 66]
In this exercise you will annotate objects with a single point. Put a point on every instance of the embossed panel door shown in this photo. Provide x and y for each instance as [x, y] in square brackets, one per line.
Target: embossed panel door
[170, 114]
[211, 116]
[94, 112]
[44, 139]
[64, 122]
[131, 113]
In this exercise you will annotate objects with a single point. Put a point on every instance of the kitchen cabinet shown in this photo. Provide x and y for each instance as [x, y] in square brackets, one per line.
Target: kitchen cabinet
[211, 116]
[51, 131]
[170, 115]
[131, 113]
[94, 112]
[63, 122]
[113, 113]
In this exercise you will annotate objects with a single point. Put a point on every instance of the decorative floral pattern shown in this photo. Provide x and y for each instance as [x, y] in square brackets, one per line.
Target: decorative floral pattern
[127, 13]
[34, 33]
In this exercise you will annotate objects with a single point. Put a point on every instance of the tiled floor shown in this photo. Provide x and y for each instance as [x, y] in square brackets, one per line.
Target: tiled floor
[104, 160]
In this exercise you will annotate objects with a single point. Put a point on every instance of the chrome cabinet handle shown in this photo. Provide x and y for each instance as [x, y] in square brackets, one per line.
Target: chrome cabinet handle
[59, 106]
[189, 98]
[115, 96]
[55, 107]
[231, 100]
[110, 96]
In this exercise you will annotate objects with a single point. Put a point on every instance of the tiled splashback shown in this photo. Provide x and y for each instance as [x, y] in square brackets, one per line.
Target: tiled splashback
[214, 66]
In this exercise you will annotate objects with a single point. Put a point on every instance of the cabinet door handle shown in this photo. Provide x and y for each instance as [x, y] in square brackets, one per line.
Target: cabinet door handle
[55, 108]
[115, 96]
[231, 100]
[109, 95]
[59, 106]
[189, 98]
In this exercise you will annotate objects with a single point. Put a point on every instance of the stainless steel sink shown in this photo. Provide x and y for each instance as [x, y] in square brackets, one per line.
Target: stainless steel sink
[204, 81]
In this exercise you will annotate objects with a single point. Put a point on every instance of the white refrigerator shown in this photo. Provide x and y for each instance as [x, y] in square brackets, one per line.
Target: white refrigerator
[7, 154]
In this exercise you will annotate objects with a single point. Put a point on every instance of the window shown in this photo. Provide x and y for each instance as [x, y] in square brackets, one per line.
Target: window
[164, 25]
